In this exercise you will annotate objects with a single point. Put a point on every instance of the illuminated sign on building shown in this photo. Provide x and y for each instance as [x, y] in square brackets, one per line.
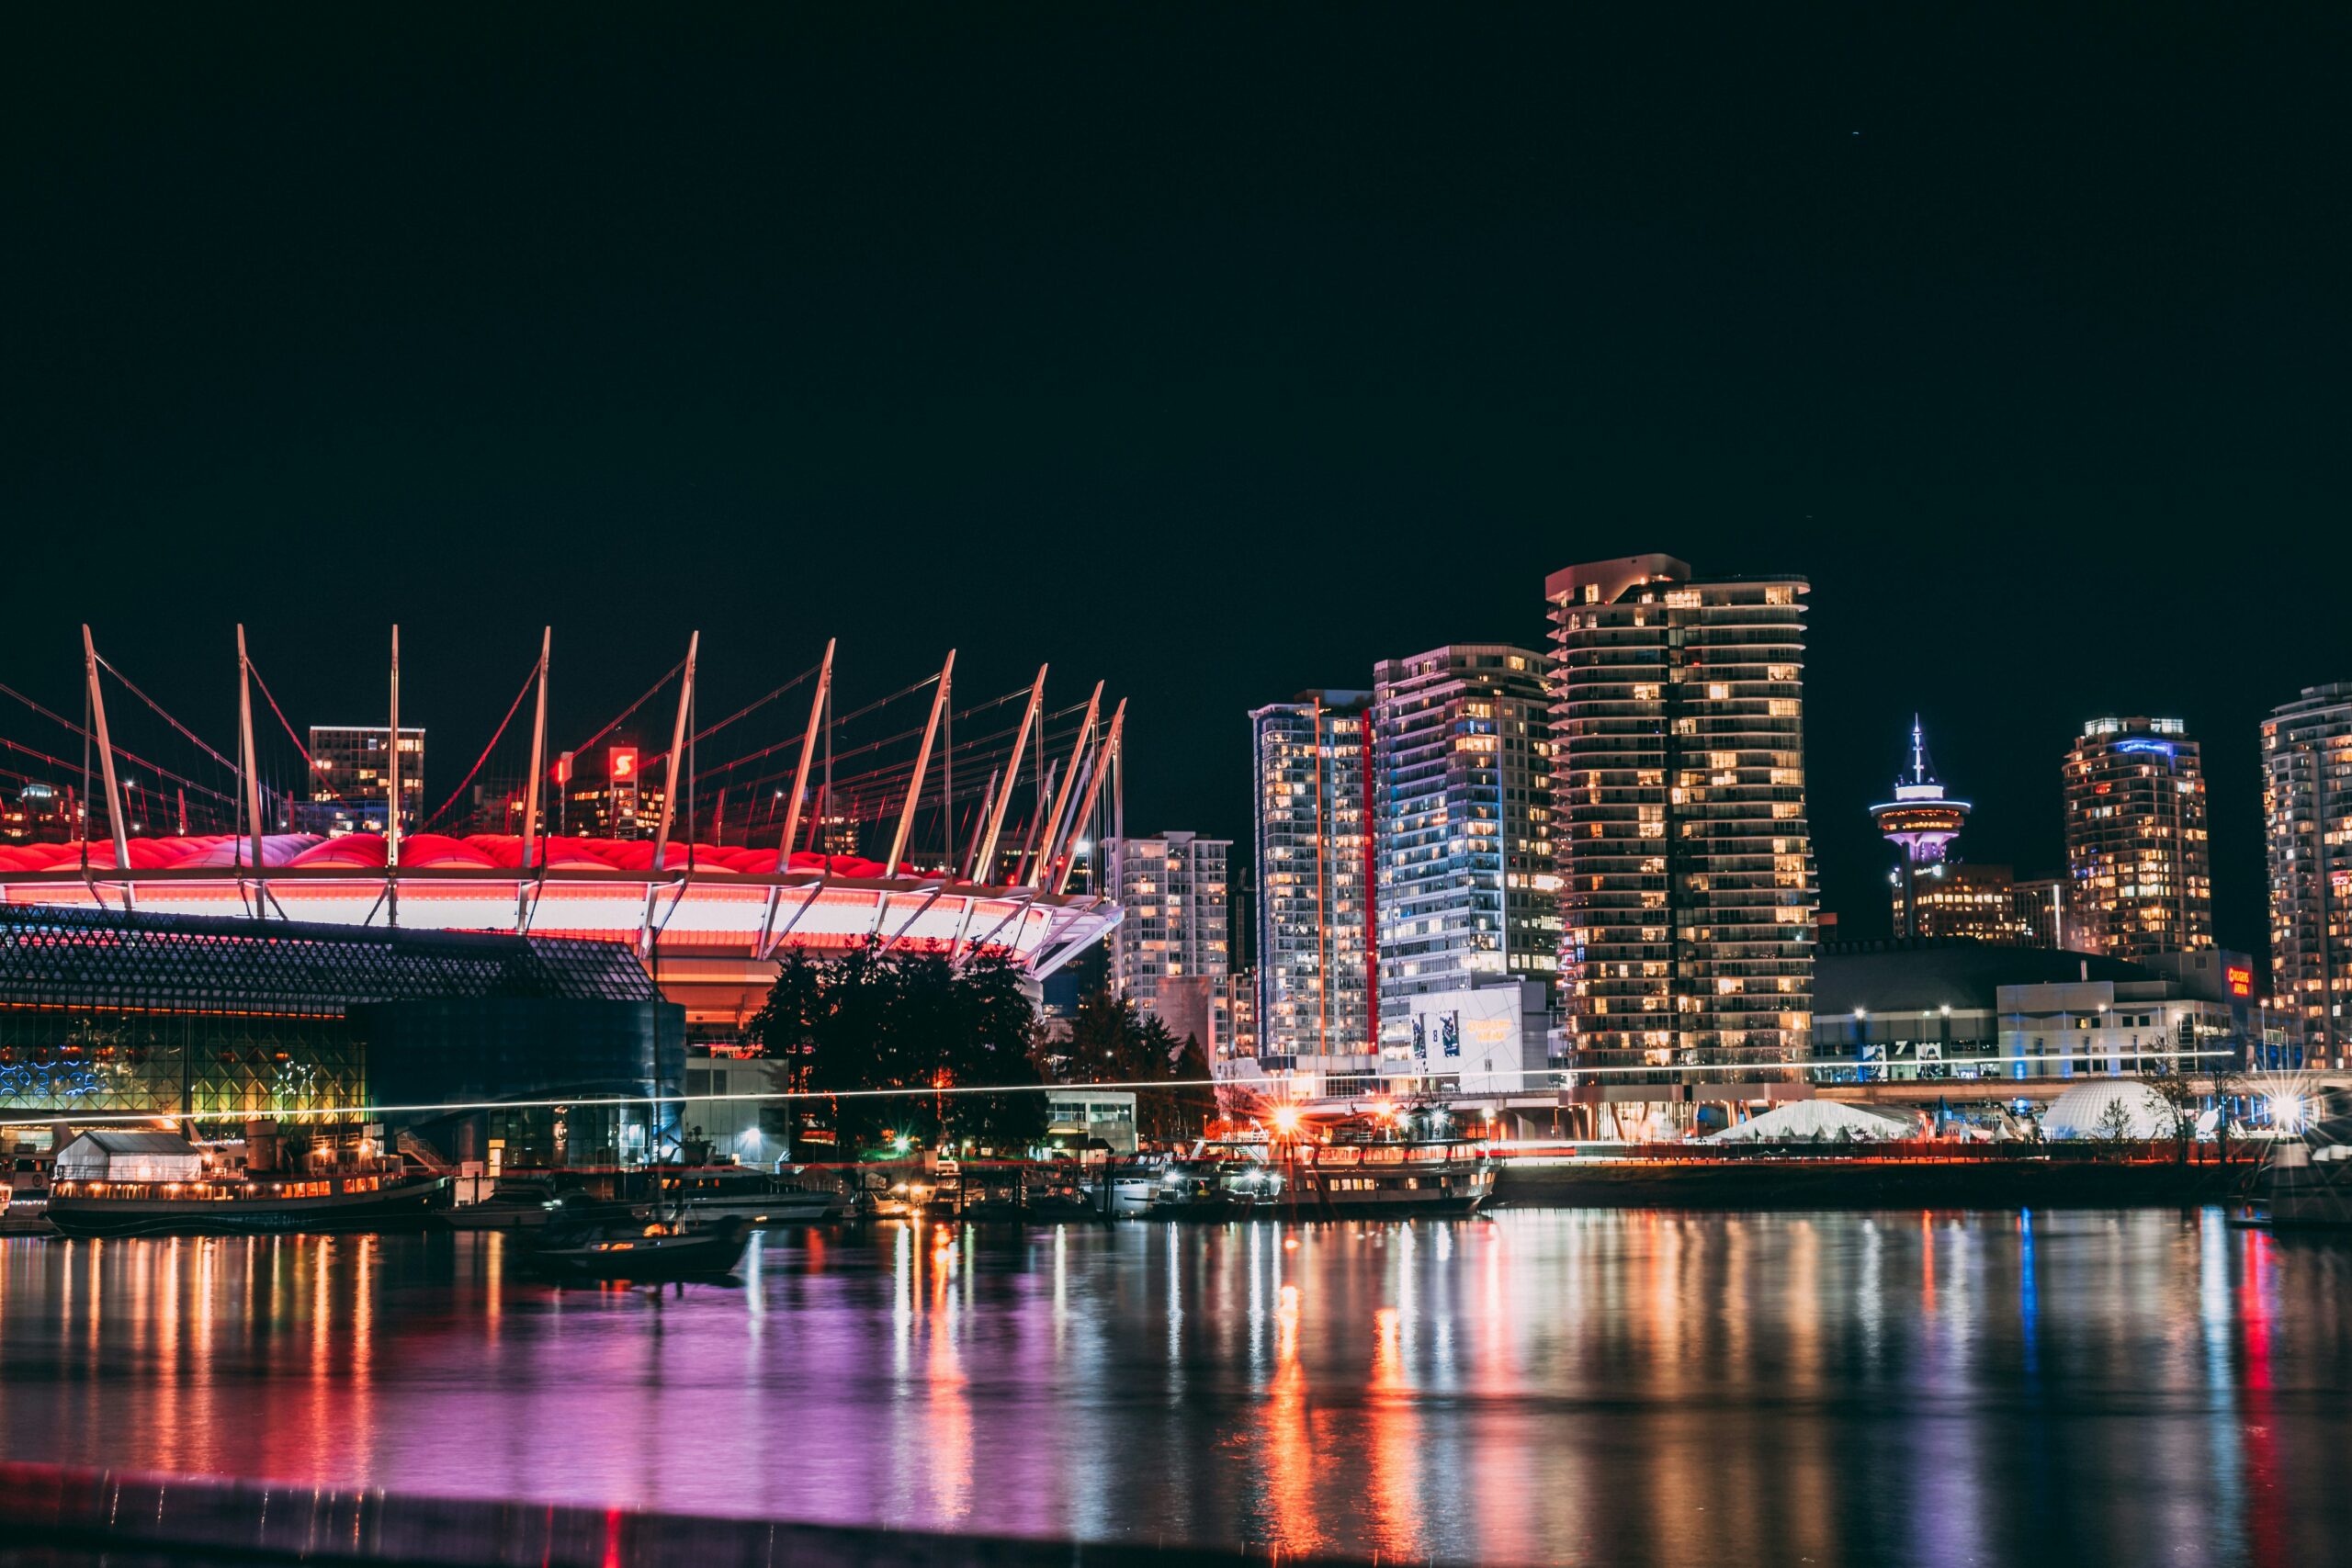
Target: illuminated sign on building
[620, 764]
[2241, 979]
[2163, 747]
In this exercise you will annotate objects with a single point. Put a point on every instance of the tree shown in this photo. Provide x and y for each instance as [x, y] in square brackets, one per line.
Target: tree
[2114, 1123]
[2180, 1095]
[871, 1020]
[2228, 1084]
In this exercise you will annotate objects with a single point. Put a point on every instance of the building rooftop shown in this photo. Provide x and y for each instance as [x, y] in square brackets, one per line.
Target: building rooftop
[1920, 976]
[103, 958]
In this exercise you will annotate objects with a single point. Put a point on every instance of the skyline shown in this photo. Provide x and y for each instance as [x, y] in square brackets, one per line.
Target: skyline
[2019, 822]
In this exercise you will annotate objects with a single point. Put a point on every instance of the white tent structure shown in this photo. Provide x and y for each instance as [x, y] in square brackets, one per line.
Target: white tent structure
[2088, 1111]
[1818, 1120]
[130, 1156]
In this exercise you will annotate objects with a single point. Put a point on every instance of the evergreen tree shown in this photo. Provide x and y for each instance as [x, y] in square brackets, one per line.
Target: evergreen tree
[867, 1019]
[1112, 1042]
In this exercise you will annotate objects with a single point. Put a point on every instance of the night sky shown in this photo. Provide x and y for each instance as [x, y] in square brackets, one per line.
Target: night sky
[1212, 355]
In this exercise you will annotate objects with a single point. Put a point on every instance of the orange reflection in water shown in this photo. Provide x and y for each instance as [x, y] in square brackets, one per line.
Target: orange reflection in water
[948, 1410]
[1395, 1441]
[1289, 1439]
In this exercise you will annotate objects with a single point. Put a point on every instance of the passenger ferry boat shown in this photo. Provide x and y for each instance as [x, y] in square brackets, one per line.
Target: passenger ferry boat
[154, 1183]
[1377, 1164]
[1434, 1176]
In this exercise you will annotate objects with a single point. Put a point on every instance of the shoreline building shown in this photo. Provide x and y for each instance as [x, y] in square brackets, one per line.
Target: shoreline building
[1317, 998]
[2307, 832]
[1171, 952]
[1688, 894]
[1922, 821]
[2138, 863]
[1467, 898]
[108, 1013]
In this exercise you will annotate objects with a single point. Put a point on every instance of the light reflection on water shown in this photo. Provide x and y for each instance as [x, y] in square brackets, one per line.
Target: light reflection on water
[1540, 1386]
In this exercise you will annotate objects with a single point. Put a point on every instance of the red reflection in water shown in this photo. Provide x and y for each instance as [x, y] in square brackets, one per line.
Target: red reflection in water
[2263, 1501]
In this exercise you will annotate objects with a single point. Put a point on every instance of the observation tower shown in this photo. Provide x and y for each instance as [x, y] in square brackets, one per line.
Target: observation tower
[1922, 821]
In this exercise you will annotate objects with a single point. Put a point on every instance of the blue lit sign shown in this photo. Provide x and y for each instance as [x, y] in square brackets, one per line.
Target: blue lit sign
[2163, 747]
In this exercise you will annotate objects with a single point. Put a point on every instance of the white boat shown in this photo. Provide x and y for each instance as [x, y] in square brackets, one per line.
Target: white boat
[711, 1193]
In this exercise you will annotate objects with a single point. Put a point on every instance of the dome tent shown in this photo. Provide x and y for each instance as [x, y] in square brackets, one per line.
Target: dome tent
[2084, 1111]
[1817, 1120]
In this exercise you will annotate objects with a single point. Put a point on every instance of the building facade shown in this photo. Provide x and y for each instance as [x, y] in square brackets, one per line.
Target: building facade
[40, 814]
[1968, 901]
[1463, 804]
[2307, 819]
[351, 780]
[603, 795]
[1686, 861]
[1942, 1008]
[104, 1013]
[2137, 866]
[1174, 925]
[1316, 1001]
[2039, 906]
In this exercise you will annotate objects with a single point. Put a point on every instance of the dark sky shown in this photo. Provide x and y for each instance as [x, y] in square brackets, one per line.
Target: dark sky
[1214, 354]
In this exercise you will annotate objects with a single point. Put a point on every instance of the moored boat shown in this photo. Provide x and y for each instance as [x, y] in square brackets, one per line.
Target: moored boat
[514, 1205]
[712, 1193]
[153, 1183]
[607, 1241]
[1433, 1177]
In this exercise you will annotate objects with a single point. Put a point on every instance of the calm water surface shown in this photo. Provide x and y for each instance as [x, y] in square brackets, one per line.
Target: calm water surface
[1538, 1386]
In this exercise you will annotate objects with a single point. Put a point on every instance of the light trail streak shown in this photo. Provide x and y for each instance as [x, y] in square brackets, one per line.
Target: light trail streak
[1988, 1086]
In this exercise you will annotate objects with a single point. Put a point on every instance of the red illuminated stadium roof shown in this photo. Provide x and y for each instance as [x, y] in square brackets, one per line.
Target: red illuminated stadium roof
[424, 851]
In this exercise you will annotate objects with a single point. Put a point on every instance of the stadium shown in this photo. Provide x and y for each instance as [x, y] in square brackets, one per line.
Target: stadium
[879, 825]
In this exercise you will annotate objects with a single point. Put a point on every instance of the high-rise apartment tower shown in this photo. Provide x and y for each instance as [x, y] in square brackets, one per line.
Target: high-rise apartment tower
[1316, 999]
[1173, 926]
[1463, 801]
[2138, 866]
[1686, 864]
[2307, 817]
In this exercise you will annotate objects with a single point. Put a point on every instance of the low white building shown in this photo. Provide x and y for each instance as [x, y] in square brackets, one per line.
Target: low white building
[1105, 1113]
[2110, 1028]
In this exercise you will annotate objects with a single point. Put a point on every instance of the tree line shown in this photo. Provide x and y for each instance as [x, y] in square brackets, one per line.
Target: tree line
[961, 1051]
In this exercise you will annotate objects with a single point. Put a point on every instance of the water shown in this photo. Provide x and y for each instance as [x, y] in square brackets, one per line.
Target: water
[1573, 1386]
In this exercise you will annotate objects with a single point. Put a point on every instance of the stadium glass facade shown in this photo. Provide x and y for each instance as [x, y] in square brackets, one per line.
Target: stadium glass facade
[109, 1013]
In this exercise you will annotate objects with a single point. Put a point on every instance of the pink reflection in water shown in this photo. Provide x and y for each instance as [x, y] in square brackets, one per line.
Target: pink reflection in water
[1540, 1386]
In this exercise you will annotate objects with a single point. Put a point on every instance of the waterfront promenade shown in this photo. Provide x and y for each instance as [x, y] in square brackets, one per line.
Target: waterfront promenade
[1618, 1387]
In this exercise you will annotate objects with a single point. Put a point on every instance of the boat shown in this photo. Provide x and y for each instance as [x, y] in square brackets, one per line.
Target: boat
[635, 1249]
[1219, 1179]
[1390, 1161]
[514, 1205]
[112, 1183]
[1398, 1177]
[2306, 1182]
[755, 1196]
[587, 1237]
